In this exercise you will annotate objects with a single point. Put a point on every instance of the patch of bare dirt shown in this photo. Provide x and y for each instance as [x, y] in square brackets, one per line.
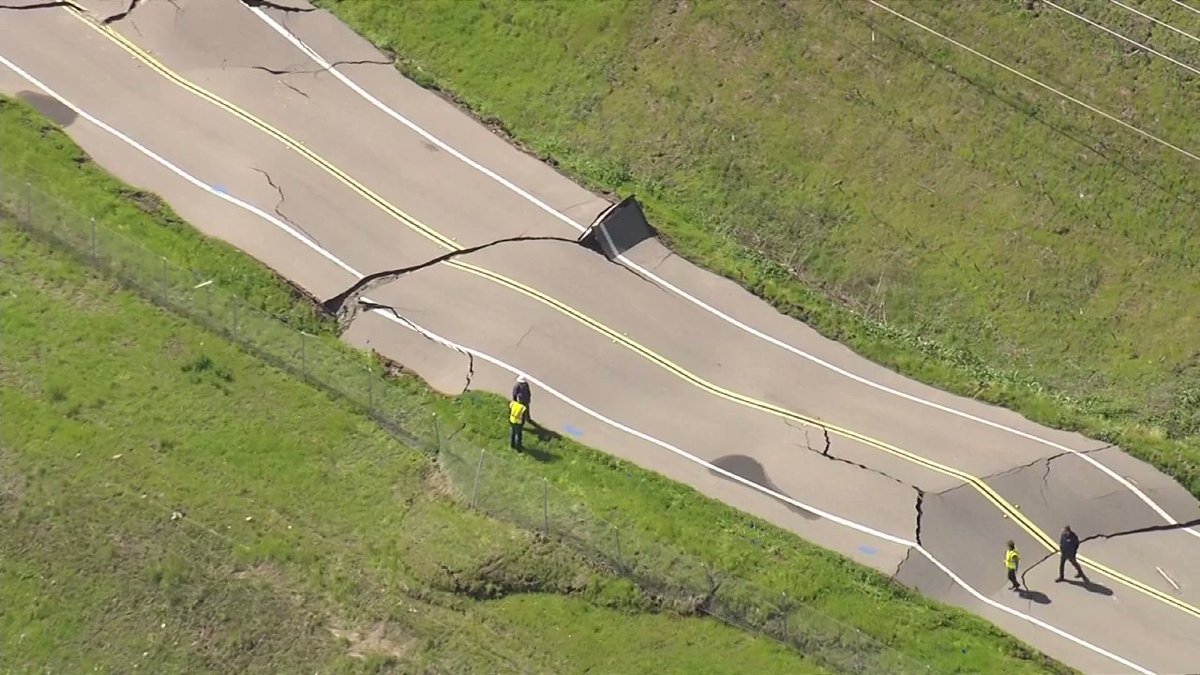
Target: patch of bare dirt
[439, 484]
[12, 485]
[263, 571]
[146, 201]
[379, 640]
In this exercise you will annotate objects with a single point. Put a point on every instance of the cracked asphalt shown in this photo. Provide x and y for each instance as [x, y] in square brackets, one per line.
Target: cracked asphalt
[222, 47]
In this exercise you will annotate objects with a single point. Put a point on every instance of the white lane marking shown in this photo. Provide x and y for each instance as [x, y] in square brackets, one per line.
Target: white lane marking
[270, 218]
[333, 70]
[1169, 579]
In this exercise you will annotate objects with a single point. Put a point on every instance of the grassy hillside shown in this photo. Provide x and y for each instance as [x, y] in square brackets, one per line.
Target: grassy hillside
[159, 504]
[158, 511]
[938, 214]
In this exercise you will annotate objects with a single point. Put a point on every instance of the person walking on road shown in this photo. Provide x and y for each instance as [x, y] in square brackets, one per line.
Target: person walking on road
[1012, 560]
[1068, 546]
[518, 414]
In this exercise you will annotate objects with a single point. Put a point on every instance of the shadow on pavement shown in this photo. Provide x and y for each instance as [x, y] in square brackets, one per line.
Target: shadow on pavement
[1034, 596]
[1090, 586]
[750, 469]
[50, 107]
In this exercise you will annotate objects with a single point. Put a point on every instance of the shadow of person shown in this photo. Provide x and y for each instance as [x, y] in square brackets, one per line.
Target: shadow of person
[1090, 586]
[543, 435]
[538, 454]
[1034, 596]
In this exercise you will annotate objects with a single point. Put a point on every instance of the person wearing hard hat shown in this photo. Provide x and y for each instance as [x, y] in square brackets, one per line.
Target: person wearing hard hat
[521, 391]
[1012, 560]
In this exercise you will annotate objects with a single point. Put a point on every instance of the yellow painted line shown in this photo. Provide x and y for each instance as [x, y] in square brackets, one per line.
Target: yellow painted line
[978, 484]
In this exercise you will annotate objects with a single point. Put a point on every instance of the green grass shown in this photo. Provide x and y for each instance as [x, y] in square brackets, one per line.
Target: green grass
[924, 207]
[299, 517]
[158, 512]
[346, 527]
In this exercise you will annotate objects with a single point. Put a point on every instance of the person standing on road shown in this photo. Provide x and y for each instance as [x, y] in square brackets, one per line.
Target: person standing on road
[1012, 560]
[518, 414]
[521, 392]
[1068, 546]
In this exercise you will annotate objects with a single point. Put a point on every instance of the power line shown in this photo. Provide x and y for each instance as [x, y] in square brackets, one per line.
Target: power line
[1039, 83]
[1114, 33]
[1187, 7]
[1164, 24]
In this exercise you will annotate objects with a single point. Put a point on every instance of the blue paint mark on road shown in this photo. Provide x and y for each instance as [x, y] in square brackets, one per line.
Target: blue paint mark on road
[221, 189]
[869, 550]
[574, 430]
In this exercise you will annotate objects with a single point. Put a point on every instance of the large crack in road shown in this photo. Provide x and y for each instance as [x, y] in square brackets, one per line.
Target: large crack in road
[375, 306]
[345, 305]
[40, 5]
[278, 209]
[300, 70]
[133, 4]
[827, 454]
[267, 4]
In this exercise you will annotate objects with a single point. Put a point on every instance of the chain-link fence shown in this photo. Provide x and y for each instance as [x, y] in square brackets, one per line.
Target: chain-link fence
[491, 483]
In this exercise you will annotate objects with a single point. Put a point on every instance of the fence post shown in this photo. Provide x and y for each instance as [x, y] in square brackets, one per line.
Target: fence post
[28, 205]
[617, 537]
[235, 317]
[783, 610]
[93, 240]
[478, 470]
[303, 356]
[166, 283]
[370, 391]
[208, 291]
[546, 505]
[437, 434]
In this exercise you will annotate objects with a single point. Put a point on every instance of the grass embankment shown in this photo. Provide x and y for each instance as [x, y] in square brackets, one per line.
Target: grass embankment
[369, 535]
[937, 214]
[159, 511]
[294, 518]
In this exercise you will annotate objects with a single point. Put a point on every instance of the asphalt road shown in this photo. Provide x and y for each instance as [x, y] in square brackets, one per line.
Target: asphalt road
[221, 96]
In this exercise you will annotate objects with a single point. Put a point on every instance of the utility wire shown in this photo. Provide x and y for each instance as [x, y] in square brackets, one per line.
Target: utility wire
[1114, 33]
[1039, 83]
[1187, 7]
[1164, 24]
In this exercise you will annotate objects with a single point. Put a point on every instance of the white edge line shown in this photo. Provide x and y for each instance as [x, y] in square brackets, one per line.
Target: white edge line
[554, 392]
[333, 70]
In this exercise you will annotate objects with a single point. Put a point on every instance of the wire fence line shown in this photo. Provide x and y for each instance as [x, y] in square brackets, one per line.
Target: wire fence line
[491, 483]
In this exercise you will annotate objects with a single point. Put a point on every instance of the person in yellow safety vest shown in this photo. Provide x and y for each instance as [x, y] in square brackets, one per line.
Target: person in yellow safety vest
[518, 414]
[1012, 560]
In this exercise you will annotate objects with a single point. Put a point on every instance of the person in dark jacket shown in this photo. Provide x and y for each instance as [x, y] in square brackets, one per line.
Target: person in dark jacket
[521, 391]
[1068, 546]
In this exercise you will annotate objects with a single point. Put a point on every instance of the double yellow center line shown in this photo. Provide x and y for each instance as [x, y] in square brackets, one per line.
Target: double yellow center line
[979, 485]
